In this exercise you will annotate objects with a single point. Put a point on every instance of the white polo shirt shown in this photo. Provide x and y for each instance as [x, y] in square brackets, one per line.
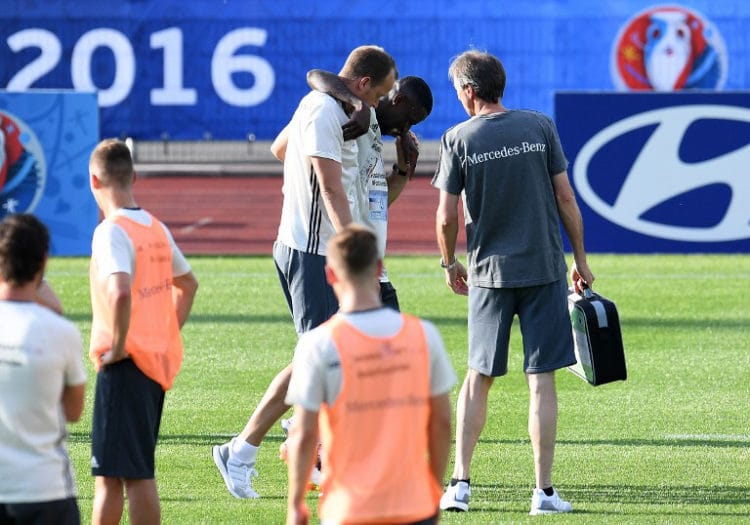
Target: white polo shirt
[314, 131]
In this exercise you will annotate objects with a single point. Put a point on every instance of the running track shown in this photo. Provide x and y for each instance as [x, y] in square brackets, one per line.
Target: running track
[240, 215]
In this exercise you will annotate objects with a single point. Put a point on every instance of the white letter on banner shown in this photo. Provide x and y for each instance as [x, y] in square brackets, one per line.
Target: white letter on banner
[173, 92]
[80, 66]
[224, 63]
[50, 48]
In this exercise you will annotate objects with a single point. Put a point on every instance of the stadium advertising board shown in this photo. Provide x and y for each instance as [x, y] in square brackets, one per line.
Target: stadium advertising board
[45, 141]
[659, 172]
[228, 69]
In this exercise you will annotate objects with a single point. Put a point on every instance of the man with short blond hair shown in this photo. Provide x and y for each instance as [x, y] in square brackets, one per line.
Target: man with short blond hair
[376, 383]
[142, 291]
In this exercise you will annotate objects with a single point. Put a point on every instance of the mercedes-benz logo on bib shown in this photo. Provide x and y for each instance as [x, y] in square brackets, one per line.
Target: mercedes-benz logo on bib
[659, 174]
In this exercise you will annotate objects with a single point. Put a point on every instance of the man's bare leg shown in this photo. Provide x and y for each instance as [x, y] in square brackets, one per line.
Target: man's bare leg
[270, 409]
[236, 459]
[543, 424]
[143, 501]
[108, 501]
[471, 415]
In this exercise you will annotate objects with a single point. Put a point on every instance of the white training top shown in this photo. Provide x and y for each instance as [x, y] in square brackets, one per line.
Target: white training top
[314, 131]
[40, 353]
[114, 251]
[316, 369]
[373, 186]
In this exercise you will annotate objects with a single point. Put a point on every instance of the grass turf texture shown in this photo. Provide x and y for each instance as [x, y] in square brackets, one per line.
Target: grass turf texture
[669, 445]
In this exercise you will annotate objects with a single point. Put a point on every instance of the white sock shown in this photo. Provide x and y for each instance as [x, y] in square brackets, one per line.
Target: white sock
[243, 450]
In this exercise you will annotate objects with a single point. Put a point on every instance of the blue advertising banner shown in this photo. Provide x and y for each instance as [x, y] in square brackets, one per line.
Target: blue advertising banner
[660, 172]
[226, 69]
[45, 141]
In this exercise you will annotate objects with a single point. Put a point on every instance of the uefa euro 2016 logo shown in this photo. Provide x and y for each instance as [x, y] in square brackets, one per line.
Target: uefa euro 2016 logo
[22, 166]
[668, 48]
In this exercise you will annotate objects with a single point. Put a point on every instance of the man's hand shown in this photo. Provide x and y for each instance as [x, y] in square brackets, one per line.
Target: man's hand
[358, 124]
[581, 277]
[407, 151]
[112, 356]
[298, 514]
[456, 278]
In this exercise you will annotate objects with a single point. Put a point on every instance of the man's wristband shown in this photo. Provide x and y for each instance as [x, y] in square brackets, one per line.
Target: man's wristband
[450, 265]
[399, 170]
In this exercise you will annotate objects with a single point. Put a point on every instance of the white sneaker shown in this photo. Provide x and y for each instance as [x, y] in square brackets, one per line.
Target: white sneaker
[543, 504]
[237, 475]
[285, 424]
[456, 497]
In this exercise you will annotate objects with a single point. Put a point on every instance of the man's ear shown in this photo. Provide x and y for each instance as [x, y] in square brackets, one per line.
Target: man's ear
[364, 83]
[398, 99]
[331, 277]
[95, 182]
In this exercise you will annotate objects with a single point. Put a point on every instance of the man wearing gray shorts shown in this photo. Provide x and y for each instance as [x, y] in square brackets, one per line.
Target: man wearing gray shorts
[320, 172]
[511, 169]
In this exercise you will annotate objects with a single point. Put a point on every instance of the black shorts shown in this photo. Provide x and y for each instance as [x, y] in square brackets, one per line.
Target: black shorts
[388, 295]
[127, 413]
[59, 511]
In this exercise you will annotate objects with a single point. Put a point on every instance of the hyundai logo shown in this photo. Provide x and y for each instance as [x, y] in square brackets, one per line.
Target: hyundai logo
[658, 174]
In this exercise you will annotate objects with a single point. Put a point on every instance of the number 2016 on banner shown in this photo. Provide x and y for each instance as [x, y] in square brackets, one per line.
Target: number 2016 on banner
[224, 63]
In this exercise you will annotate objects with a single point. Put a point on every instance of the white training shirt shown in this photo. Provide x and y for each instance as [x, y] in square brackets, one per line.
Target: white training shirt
[372, 185]
[316, 369]
[114, 251]
[40, 353]
[314, 131]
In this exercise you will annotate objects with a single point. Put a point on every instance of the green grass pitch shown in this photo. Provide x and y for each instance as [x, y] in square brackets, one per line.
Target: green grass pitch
[669, 445]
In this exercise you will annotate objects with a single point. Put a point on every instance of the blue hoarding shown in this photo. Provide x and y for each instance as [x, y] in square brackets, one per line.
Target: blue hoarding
[660, 172]
[46, 138]
[228, 68]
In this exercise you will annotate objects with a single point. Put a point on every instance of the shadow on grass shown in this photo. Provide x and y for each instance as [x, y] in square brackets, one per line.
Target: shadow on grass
[716, 323]
[201, 499]
[78, 316]
[714, 443]
[213, 439]
[669, 499]
[693, 442]
[180, 439]
[209, 318]
[668, 496]
[446, 321]
[632, 322]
